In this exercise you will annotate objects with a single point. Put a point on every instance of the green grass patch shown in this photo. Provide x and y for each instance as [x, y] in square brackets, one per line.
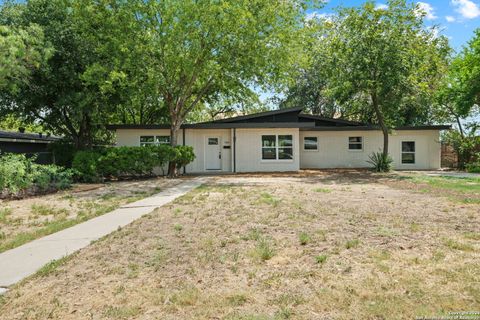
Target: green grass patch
[267, 198]
[52, 266]
[304, 238]
[464, 185]
[455, 245]
[321, 259]
[4, 213]
[322, 190]
[350, 244]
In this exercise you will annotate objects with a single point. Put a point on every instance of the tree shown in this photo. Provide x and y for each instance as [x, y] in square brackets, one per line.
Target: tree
[458, 100]
[382, 63]
[197, 51]
[22, 51]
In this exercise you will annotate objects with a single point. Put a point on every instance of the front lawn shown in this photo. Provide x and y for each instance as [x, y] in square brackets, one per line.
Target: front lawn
[461, 189]
[27, 219]
[308, 246]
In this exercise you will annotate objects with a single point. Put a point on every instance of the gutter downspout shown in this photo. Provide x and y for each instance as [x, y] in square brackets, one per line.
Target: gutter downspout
[234, 150]
[183, 143]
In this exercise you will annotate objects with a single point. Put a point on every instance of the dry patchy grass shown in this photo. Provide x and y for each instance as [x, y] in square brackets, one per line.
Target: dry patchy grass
[272, 248]
[24, 220]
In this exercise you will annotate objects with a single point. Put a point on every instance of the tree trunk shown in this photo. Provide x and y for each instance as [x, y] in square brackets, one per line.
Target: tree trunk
[174, 130]
[381, 122]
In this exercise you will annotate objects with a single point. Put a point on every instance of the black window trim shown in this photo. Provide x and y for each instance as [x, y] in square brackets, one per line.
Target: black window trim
[277, 147]
[316, 143]
[355, 143]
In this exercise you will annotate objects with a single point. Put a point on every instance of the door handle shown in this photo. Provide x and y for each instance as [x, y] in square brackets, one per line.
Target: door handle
[219, 155]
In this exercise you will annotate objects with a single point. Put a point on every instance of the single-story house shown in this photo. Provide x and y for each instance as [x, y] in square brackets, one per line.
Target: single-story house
[28, 143]
[289, 140]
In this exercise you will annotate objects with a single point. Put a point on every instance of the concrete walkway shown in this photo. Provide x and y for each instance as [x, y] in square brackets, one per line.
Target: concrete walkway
[25, 260]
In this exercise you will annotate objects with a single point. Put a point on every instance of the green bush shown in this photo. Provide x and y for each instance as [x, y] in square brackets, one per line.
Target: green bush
[183, 155]
[19, 174]
[93, 166]
[63, 153]
[380, 162]
[85, 164]
[474, 167]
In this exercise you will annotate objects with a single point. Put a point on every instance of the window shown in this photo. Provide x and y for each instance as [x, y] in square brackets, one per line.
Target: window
[310, 143]
[212, 141]
[408, 152]
[277, 147]
[154, 140]
[147, 140]
[162, 139]
[355, 143]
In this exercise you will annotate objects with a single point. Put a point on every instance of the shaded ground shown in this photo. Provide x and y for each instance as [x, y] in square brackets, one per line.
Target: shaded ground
[316, 245]
[27, 219]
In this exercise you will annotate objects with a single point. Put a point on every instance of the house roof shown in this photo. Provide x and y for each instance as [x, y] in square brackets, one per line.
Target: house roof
[282, 118]
[214, 125]
[296, 110]
[13, 136]
[369, 128]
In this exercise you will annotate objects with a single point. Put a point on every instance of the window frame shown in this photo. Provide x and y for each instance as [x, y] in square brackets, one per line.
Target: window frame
[316, 144]
[408, 152]
[155, 141]
[361, 143]
[277, 147]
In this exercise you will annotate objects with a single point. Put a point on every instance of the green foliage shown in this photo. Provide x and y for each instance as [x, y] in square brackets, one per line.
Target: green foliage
[381, 162]
[474, 166]
[94, 166]
[182, 155]
[23, 50]
[19, 174]
[63, 152]
[304, 238]
[320, 259]
[184, 55]
[465, 145]
[85, 164]
[381, 66]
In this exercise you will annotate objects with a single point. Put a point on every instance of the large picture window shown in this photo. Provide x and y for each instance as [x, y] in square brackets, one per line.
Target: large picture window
[408, 152]
[310, 143]
[154, 140]
[355, 143]
[277, 147]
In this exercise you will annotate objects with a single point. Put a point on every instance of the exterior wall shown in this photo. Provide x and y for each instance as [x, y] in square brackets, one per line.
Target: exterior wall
[197, 139]
[333, 149]
[193, 137]
[131, 137]
[249, 151]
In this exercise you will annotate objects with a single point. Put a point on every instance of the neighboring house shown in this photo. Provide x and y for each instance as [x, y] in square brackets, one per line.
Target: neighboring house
[27, 143]
[288, 140]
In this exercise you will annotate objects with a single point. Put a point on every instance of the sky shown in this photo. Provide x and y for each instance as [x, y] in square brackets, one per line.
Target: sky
[457, 18]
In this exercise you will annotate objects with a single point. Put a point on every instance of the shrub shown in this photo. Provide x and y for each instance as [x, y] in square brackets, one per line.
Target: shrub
[63, 153]
[183, 155]
[93, 166]
[85, 164]
[474, 167]
[19, 174]
[14, 169]
[380, 162]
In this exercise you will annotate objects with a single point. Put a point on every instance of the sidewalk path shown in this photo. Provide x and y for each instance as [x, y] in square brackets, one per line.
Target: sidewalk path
[25, 260]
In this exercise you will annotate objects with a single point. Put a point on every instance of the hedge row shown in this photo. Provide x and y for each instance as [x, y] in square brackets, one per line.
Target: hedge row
[20, 176]
[108, 163]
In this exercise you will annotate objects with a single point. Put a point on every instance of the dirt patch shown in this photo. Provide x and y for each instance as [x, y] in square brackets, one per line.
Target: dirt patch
[26, 219]
[323, 246]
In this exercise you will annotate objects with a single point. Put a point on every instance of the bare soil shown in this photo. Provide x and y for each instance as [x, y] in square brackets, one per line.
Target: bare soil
[314, 245]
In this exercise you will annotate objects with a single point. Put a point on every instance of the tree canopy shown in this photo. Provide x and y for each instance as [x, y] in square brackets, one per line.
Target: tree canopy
[377, 65]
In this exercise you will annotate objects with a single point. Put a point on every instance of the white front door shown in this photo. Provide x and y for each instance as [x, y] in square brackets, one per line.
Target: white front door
[213, 154]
